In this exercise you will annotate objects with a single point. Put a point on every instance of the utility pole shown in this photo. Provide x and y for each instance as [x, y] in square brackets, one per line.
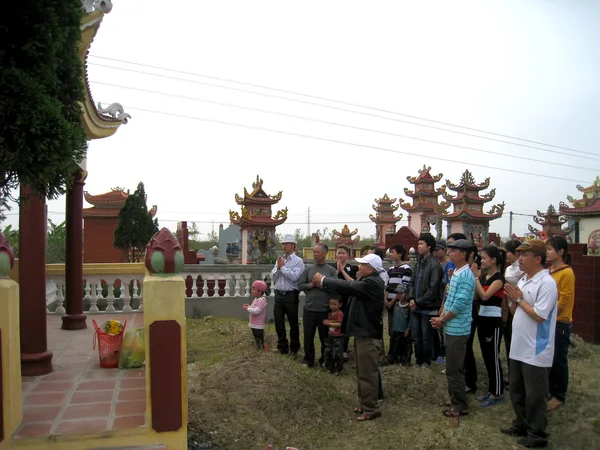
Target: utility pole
[308, 224]
[510, 226]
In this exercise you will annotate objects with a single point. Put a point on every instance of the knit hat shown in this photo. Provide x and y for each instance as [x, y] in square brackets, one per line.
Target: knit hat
[260, 285]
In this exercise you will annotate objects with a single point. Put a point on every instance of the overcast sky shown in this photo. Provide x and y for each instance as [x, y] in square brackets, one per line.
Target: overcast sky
[527, 69]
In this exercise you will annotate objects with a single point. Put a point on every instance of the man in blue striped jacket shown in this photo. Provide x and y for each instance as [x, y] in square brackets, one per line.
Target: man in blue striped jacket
[456, 320]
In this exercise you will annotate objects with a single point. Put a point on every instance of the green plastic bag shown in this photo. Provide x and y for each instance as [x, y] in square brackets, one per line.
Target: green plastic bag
[133, 349]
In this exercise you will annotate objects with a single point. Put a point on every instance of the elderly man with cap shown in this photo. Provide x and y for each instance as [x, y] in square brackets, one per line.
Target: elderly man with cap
[455, 318]
[285, 275]
[534, 303]
[363, 320]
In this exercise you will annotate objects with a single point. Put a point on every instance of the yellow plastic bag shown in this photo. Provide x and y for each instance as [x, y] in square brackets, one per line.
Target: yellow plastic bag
[133, 349]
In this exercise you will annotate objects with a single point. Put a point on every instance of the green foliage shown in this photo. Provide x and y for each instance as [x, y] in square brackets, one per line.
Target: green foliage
[136, 227]
[41, 135]
[13, 238]
[56, 243]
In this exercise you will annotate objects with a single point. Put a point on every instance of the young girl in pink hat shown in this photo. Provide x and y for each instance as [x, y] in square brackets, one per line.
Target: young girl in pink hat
[257, 312]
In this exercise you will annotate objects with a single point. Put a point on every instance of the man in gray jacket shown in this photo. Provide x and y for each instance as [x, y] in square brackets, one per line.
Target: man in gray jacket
[316, 304]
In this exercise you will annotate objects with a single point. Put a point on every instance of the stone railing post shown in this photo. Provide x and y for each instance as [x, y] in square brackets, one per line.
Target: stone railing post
[11, 405]
[165, 330]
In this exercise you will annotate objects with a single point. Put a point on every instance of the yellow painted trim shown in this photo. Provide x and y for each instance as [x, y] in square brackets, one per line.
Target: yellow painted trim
[14, 273]
[100, 269]
[307, 253]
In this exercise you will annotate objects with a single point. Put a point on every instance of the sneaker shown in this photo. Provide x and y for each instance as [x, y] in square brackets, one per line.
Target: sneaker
[345, 357]
[417, 366]
[531, 442]
[294, 355]
[443, 371]
[491, 401]
[426, 366]
[514, 431]
[440, 360]
[482, 398]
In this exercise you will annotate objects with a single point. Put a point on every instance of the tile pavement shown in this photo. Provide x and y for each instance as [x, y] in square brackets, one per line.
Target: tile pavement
[80, 396]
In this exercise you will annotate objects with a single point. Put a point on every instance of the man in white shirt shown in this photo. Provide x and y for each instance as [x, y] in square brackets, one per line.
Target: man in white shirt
[285, 275]
[534, 303]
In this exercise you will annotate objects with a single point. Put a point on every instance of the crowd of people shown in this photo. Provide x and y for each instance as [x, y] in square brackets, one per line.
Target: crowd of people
[435, 307]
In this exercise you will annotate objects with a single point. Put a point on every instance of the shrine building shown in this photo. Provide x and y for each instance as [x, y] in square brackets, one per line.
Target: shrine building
[385, 219]
[256, 224]
[584, 215]
[551, 222]
[468, 216]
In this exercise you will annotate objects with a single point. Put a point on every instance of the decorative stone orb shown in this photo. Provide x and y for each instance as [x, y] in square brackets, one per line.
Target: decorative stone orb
[164, 256]
[7, 257]
[411, 251]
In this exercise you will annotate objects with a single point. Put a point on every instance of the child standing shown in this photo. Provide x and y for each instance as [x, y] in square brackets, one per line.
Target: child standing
[257, 312]
[402, 342]
[334, 344]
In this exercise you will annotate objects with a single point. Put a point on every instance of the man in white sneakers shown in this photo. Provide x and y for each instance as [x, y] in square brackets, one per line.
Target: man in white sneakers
[534, 303]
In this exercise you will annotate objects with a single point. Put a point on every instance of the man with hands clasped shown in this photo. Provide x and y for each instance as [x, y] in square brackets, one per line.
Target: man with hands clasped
[456, 318]
[534, 304]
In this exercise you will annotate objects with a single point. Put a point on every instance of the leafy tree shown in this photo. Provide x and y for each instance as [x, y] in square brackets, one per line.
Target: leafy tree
[193, 231]
[13, 238]
[136, 227]
[213, 238]
[41, 135]
[56, 243]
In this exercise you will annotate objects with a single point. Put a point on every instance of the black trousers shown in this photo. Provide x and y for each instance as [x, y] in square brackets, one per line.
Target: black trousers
[259, 337]
[286, 304]
[455, 355]
[508, 337]
[400, 348]
[489, 332]
[311, 322]
[470, 365]
[529, 398]
[334, 353]
[559, 374]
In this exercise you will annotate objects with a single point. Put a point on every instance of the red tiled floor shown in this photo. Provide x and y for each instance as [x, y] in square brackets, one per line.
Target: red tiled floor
[80, 396]
[132, 394]
[41, 414]
[81, 426]
[87, 411]
[35, 429]
[92, 397]
[129, 422]
[130, 408]
[133, 383]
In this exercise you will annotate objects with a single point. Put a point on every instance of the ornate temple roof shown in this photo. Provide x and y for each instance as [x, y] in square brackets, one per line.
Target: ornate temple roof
[345, 236]
[385, 209]
[258, 195]
[587, 205]
[425, 176]
[466, 214]
[256, 207]
[108, 204]
[591, 209]
[115, 198]
[551, 222]
[467, 181]
[98, 122]
[470, 197]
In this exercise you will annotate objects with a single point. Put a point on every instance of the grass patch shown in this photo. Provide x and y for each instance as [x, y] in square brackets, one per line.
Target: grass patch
[242, 399]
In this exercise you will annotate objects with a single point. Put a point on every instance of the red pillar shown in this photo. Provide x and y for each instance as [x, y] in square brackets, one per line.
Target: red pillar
[35, 357]
[74, 319]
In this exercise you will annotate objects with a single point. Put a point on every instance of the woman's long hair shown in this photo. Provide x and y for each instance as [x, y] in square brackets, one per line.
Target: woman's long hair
[560, 243]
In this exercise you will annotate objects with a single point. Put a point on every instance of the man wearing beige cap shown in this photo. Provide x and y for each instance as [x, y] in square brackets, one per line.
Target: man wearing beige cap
[534, 303]
[285, 275]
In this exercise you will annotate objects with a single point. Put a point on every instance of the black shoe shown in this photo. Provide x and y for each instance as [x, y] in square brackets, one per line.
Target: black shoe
[513, 431]
[531, 442]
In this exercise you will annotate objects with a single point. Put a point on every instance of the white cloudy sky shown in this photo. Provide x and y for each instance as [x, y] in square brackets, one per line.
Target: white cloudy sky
[527, 69]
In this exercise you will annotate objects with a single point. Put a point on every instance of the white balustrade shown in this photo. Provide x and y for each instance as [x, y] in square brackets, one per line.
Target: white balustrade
[125, 296]
[60, 298]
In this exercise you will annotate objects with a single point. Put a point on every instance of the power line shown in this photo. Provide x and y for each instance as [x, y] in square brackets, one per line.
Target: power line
[354, 144]
[430, 141]
[339, 101]
[342, 109]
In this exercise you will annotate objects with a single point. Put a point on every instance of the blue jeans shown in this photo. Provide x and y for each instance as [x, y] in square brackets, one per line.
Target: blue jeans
[422, 335]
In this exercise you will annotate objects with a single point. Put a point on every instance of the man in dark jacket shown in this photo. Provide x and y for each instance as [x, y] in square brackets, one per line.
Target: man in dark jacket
[362, 320]
[425, 298]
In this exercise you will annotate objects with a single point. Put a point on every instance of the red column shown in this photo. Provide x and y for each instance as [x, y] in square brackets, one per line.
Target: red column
[35, 357]
[74, 319]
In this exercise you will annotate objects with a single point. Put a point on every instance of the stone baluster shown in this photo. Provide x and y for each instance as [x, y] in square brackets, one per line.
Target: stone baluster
[125, 295]
[194, 286]
[134, 294]
[94, 296]
[227, 290]
[204, 286]
[237, 290]
[246, 281]
[60, 298]
[141, 308]
[110, 298]
[88, 290]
